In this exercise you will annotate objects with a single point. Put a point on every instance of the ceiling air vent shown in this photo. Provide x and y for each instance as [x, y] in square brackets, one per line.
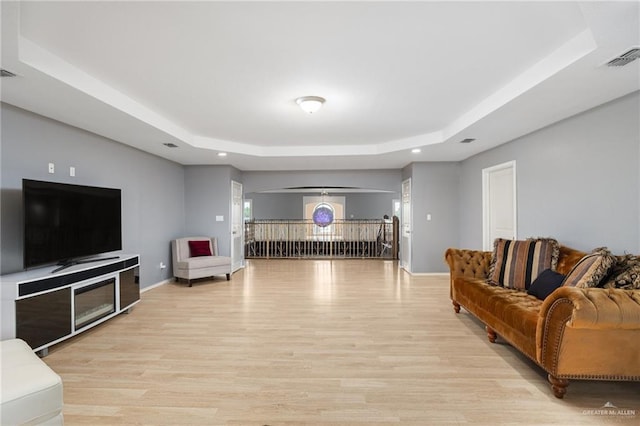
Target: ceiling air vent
[170, 145]
[627, 57]
[467, 140]
[5, 73]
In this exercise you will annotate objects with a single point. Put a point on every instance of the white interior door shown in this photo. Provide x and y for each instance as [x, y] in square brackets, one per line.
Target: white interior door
[499, 203]
[237, 229]
[405, 247]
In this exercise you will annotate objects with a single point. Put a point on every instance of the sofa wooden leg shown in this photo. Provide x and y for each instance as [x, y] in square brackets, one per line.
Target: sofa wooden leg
[190, 283]
[491, 334]
[456, 306]
[228, 277]
[558, 386]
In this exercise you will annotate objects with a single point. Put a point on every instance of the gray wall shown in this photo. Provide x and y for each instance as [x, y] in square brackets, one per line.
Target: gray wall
[577, 180]
[276, 205]
[152, 187]
[368, 205]
[207, 195]
[434, 191]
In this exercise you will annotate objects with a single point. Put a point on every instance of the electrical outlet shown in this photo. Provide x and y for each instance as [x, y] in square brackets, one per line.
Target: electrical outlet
[52, 168]
[219, 218]
[72, 171]
[162, 265]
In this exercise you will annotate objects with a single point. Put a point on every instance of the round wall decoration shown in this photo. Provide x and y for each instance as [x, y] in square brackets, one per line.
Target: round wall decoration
[323, 215]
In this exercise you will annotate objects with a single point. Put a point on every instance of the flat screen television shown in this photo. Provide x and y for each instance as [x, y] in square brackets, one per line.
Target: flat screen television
[66, 224]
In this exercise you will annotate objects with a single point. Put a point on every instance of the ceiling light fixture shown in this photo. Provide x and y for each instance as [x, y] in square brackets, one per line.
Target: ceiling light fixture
[310, 104]
[416, 150]
[222, 154]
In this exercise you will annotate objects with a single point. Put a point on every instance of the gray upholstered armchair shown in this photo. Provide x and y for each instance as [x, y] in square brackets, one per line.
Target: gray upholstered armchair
[197, 257]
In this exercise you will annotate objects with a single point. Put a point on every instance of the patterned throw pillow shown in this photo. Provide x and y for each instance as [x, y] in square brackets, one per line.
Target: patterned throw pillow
[591, 269]
[625, 273]
[516, 263]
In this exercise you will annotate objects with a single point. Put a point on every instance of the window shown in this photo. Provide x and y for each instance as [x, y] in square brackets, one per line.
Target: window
[247, 210]
[396, 208]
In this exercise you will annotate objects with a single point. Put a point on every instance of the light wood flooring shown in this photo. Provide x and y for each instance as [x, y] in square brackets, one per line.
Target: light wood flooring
[312, 342]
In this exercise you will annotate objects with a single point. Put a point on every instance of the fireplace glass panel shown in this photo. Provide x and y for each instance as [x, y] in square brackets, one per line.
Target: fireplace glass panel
[94, 302]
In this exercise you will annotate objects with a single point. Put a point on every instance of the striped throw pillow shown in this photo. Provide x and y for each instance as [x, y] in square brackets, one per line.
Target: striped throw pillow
[516, 263]
[591, 269]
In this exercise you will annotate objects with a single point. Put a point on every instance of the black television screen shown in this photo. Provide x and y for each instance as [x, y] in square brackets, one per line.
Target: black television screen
[63, 222]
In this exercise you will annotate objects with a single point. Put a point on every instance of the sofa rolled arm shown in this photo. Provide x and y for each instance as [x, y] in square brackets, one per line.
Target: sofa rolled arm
[606, 308]
[468, 263]
[602, 313]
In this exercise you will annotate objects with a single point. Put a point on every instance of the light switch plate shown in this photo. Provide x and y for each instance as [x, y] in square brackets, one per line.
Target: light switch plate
[219, 218]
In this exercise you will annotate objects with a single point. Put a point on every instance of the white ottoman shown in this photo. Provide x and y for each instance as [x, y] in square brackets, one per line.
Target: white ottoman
[31, 392]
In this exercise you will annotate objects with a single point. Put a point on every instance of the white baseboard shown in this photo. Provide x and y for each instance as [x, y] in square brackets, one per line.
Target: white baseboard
[152, 286]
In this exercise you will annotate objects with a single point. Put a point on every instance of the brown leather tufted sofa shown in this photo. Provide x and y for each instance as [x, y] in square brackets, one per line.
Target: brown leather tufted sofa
[575, 333]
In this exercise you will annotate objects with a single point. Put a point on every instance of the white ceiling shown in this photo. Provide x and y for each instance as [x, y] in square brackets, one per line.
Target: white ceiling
[224, 76]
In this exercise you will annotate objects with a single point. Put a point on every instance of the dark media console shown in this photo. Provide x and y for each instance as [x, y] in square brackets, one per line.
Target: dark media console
[44, 306]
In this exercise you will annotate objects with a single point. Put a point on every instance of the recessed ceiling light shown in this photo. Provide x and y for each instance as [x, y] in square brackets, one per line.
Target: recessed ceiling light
[222, 154]
[467, 140]
[416, 150]
[170, 145]
[310, 104]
